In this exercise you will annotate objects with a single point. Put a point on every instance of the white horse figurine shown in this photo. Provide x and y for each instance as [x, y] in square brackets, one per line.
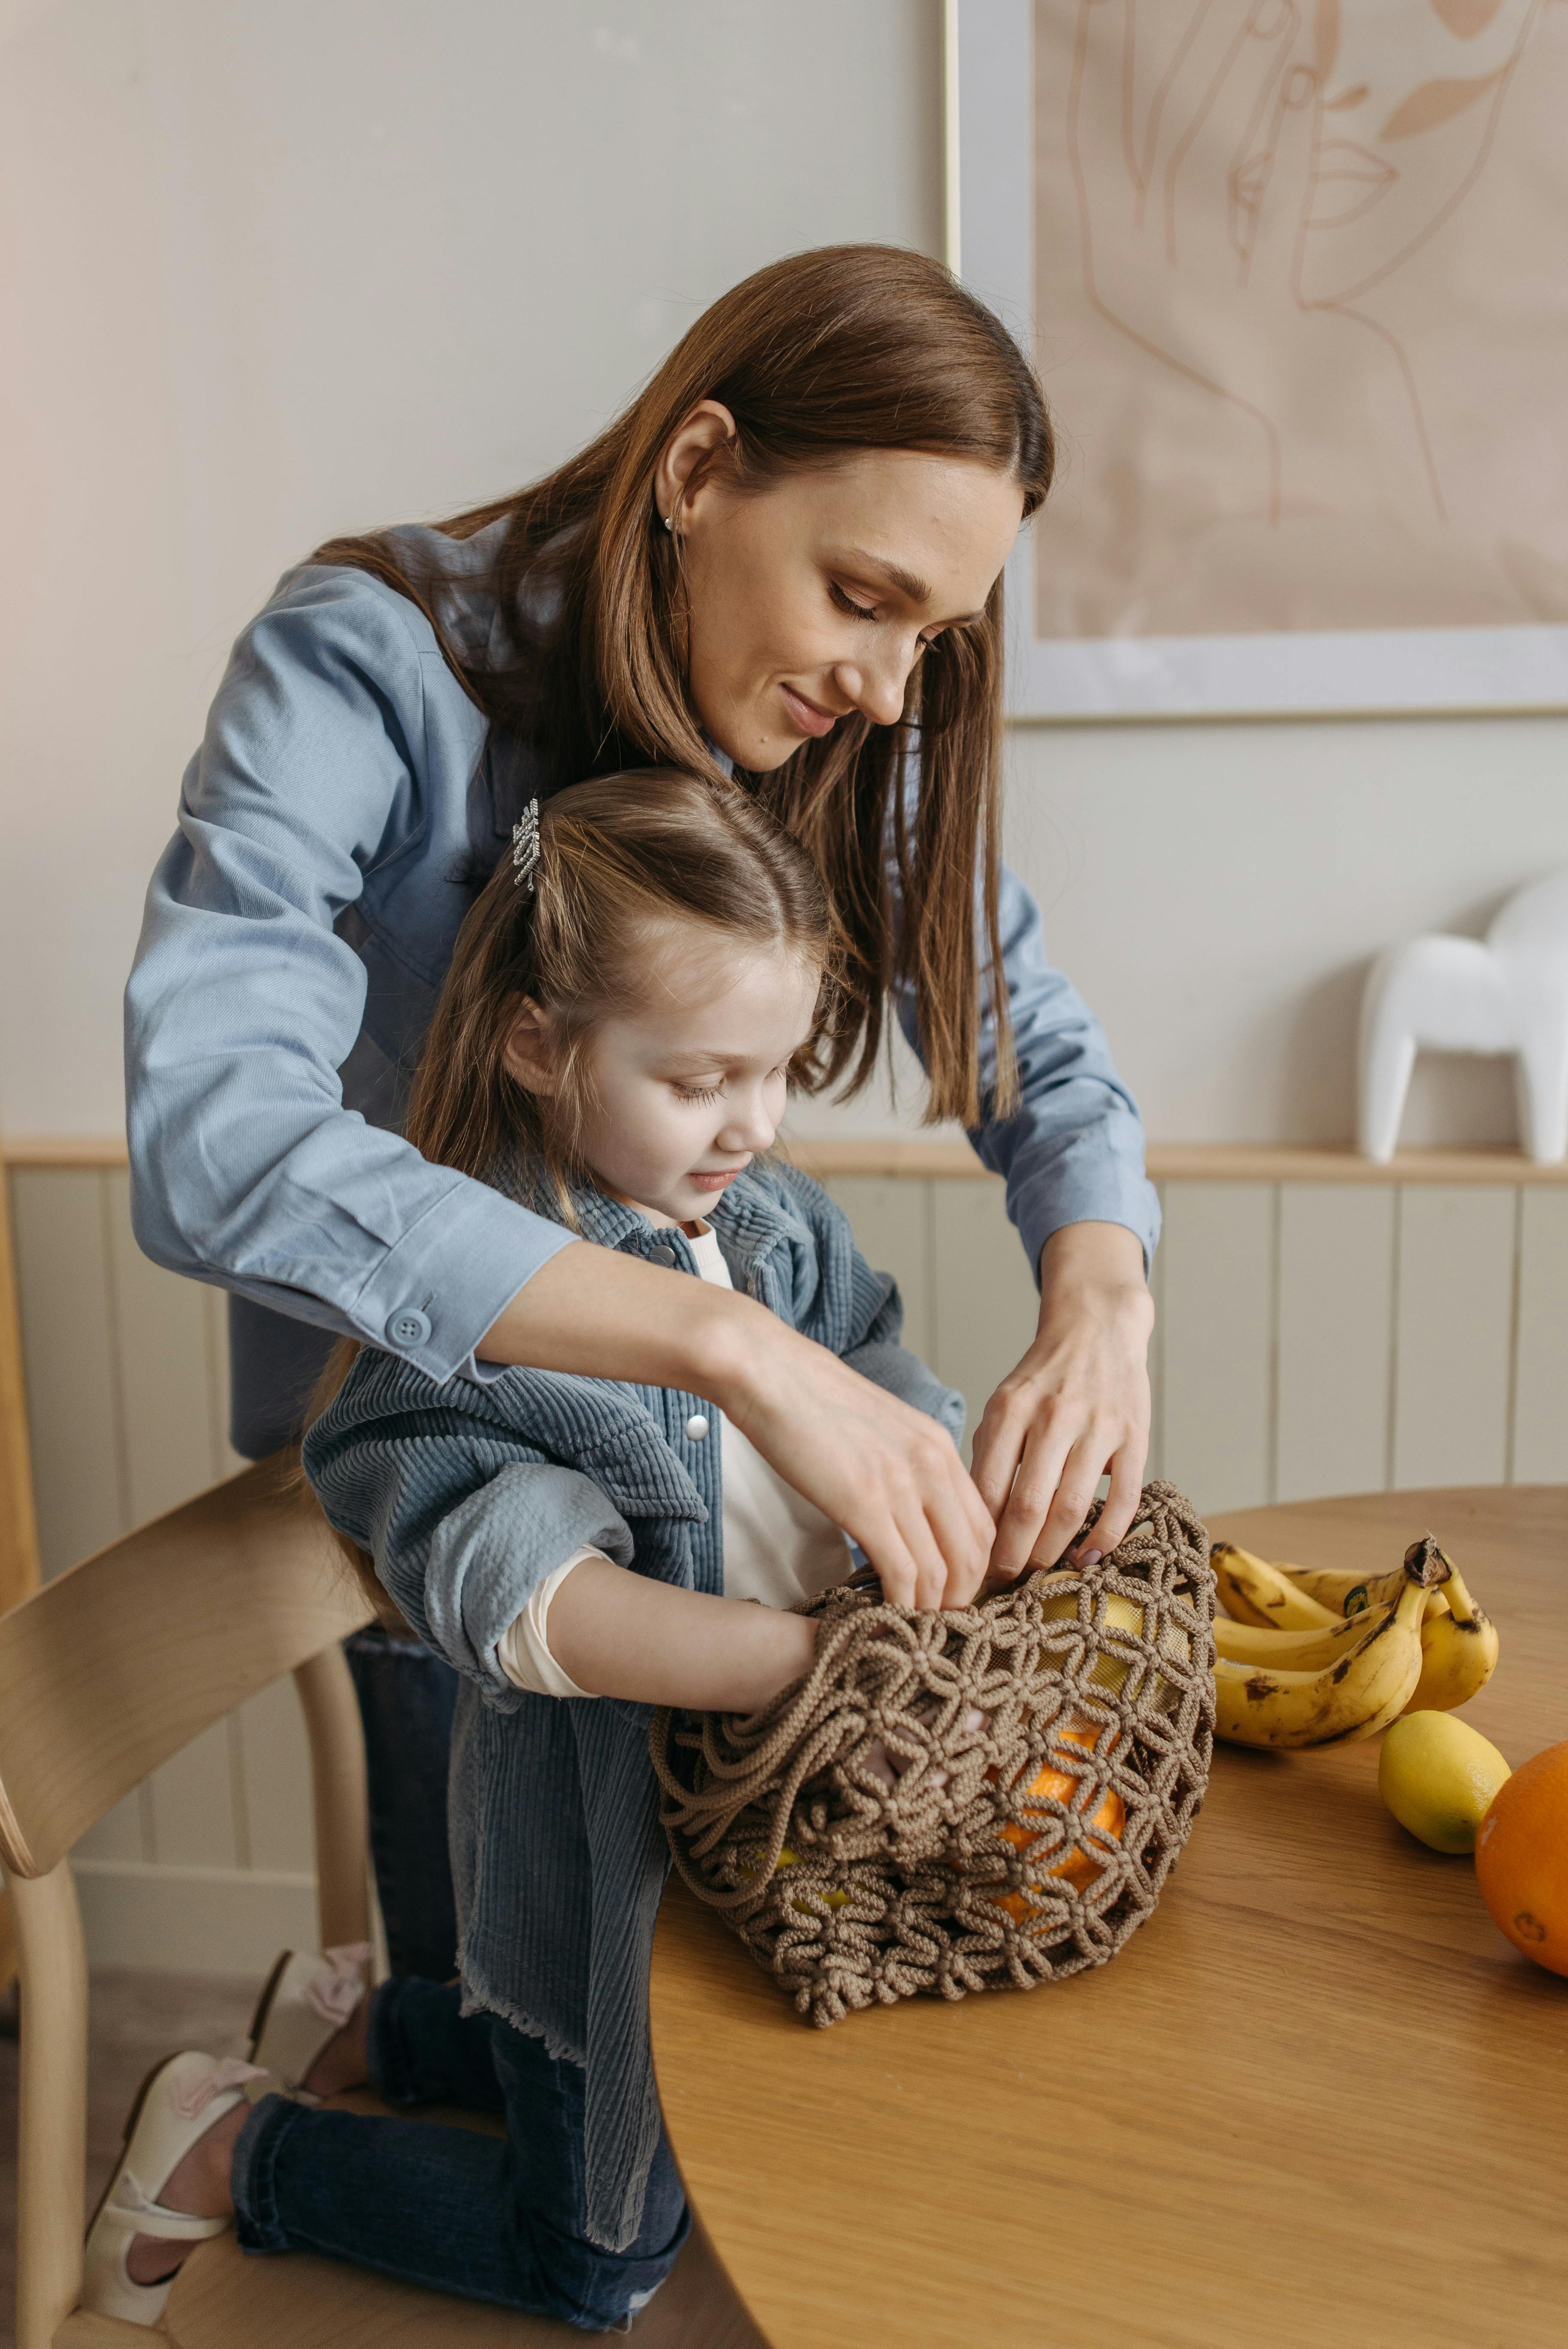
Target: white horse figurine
[1509, 994]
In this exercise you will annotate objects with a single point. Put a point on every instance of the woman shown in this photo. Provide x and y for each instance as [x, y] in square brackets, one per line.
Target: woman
[781, 566]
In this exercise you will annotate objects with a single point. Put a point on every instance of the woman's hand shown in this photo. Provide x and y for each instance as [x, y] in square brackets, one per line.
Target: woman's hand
[1077, 1404]
[885, 1472]
[890, 1476]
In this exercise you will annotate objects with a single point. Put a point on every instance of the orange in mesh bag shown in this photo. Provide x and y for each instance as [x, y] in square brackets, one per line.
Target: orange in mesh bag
[955, 1800]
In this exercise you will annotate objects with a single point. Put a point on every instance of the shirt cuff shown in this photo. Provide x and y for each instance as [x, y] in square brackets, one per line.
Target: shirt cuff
[432, 1298]
[1043, 1199]
[522, 1652]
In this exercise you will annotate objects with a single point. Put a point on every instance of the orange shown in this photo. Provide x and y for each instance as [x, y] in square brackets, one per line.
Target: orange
[1521, 1858]
[1078, 1869]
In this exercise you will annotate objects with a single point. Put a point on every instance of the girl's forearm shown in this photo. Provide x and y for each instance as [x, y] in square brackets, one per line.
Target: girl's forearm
[617, 1633]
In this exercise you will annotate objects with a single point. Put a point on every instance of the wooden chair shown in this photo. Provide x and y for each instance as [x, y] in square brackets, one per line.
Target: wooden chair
[104, 1673]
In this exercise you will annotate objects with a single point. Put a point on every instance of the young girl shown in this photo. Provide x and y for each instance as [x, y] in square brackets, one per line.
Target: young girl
[628, 1000]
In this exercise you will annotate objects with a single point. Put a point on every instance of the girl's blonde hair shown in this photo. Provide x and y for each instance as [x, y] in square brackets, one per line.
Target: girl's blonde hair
[624, 862]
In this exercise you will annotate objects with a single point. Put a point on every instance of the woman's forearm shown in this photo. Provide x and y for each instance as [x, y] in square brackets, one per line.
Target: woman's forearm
[617, 1633]
[602, 1315]
[890, 1476]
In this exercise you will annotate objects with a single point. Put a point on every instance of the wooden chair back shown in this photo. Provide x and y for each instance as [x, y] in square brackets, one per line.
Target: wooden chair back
[104, 1673]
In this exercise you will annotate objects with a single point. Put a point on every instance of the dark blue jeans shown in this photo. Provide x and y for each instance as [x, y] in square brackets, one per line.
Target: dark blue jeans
[405, 1697]
[405, 1693]
[491, 2219]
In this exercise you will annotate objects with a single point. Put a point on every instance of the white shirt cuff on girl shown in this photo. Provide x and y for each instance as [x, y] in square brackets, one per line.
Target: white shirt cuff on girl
[522, 1650]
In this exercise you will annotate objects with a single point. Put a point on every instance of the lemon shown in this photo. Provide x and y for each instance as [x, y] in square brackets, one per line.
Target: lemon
[1438, 1776]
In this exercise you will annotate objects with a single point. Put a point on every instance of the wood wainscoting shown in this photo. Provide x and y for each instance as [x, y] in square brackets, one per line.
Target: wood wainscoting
[1325, 1325]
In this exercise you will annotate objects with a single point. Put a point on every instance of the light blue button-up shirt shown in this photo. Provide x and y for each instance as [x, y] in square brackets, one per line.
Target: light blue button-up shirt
[297, 931]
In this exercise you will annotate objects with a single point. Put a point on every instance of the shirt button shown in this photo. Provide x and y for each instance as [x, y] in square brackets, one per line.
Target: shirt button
[407, 1326]
[697, 1427]
[662, 1256]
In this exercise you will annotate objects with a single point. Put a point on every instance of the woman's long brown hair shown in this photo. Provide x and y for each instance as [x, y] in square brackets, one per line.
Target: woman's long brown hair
[819, 356]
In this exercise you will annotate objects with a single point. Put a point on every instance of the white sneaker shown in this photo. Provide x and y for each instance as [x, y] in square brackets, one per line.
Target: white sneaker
[309, 1996]
[179, 2101]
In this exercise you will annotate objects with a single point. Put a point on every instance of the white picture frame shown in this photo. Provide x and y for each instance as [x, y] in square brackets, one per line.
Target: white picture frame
[990, 227]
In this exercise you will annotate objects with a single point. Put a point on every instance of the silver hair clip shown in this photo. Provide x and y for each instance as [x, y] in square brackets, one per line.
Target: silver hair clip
[525, 847]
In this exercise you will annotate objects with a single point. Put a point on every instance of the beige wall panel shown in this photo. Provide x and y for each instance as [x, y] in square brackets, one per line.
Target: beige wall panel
[1454, 1331]
[215, 1333]
[1335, 1330]
[1218, 1360]
[193, 1921]
[1540, 1371]
[197, 1801]
[985, 1308]
[193, 1805]
[278, 1829]
[891, 1221]
[1156, 1467]
[68, 1355]
[164, 1372]
[118, 1834]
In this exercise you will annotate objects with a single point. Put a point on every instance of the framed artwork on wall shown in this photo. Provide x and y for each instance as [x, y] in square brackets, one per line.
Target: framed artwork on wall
[1295, 276]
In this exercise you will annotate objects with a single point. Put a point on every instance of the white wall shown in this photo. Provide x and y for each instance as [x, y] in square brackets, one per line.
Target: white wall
[269, 273]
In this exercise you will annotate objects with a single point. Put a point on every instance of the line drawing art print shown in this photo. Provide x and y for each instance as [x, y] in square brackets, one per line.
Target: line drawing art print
[1299, 296]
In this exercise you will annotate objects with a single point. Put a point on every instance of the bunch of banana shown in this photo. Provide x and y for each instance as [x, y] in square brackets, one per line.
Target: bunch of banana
[1459, 1642]
[1316, 1656]
[1335, 1683]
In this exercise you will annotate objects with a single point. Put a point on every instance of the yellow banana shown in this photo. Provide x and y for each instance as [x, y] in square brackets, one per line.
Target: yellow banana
[1343, 1592]
[1290, 1651]
[1351, 1698]
[1459, 1651]
[1459, 1647]
[1251, 1590]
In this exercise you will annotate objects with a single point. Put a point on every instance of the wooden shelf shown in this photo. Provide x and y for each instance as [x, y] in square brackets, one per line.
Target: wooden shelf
[1250, 1162]
[63, 1150]
[1187, 1161]
[898, 1159]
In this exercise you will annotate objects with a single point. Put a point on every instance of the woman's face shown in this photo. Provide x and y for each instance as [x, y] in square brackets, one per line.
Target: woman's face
[816, 597]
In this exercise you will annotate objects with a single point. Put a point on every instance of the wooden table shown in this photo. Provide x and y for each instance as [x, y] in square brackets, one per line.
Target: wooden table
[1318, 2099]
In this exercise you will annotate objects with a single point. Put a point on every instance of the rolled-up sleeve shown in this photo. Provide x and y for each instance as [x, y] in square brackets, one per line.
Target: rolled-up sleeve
[246, 1167]
[1073, 1151]
[464, 1525]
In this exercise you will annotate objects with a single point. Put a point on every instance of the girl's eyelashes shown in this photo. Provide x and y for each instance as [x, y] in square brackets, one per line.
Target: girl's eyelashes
[696, 1093]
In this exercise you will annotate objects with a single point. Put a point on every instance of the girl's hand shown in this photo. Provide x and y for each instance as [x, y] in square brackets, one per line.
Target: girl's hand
[1077, 1404]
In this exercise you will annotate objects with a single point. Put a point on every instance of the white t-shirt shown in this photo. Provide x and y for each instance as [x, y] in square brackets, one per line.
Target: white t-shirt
[778, 1547]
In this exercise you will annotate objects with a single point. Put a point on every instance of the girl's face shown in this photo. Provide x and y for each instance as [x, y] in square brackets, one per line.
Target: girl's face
[686, 1090]
[816, 597]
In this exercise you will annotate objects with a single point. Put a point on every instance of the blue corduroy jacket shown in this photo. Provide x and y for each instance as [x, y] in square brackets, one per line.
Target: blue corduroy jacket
[467, 1496]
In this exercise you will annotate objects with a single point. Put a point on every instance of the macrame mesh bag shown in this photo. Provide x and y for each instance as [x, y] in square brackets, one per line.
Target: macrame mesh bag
[956, 1800]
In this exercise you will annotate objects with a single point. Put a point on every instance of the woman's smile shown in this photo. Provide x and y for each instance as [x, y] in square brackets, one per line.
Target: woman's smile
[807, 717]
